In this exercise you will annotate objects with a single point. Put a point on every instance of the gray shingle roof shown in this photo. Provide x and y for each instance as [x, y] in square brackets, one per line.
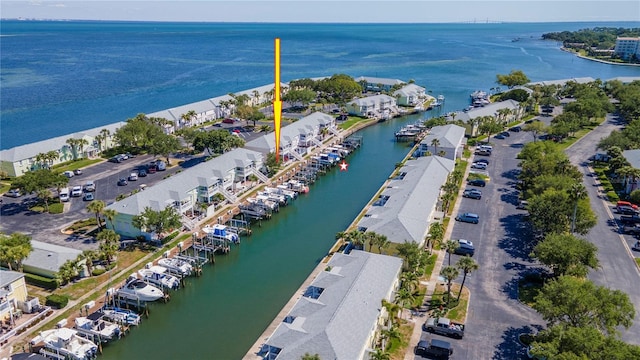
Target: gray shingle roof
[176, 187]
[338, 324]
[633, 157]
[28, 151]
[449, 136]
[487, 110]
[372, 100]
[7, 277]
[410, 90]
[49, 257]
[305, 125]
[405, 215]
[377, 80]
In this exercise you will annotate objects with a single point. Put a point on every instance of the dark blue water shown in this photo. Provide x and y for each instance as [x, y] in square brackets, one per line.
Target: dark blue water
[60, 77]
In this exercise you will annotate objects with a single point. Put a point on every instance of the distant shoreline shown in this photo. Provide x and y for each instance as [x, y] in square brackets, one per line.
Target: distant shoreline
[597, 60]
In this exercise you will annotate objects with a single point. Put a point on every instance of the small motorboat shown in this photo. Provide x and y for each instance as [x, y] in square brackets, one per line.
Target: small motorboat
[158, 276]
[121, 316]
[138, 290]
[64, 343]
[176, 266]
[94, 327]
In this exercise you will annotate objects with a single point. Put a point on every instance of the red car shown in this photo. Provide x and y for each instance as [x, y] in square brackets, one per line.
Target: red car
[228, 121]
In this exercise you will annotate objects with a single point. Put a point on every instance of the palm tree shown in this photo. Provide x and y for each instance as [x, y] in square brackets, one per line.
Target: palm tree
[97, 207]
[89, 256]
[449, 273]
[109, 244]
[576, 193]
[382, 242]
[73, 143]
[81, 144]
[109, 215]
[405, 297]
[409, 280]
[14, 249]
[104, 135]
[67, 271]
[393, 310]
[188, 117]
[450, 246]
[380, 355]
[40, 160]
[467, 265]
[44, 195]
[436, 234]
[265, 128]
[435, 143]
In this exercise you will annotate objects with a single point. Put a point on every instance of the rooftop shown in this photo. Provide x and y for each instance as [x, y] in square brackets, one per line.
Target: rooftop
[449, 136]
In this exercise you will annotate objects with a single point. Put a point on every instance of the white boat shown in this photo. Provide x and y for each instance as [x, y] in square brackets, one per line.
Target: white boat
[280, 199]
[121, 316]
[138, 290]
[176, 266]
[283, 190]
[95, 327]
[219, 231]
[64, 343]
[264, 203]
[297, 186]
[158, 276]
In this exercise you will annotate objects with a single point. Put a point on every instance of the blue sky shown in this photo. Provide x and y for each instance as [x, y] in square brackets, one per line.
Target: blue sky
[372, 11]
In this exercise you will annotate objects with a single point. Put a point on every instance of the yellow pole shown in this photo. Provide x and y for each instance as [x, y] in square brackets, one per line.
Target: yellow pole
[277, 104]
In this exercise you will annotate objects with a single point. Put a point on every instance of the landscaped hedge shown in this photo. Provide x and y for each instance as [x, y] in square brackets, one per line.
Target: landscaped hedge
[57, 301]
[41, 281]
[169, 237]
[56, 208]
[98, 271]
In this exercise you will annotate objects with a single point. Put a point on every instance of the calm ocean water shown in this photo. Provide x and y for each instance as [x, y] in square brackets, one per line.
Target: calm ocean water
[60, 77]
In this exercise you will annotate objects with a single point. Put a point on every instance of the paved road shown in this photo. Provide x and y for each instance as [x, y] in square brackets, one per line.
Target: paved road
[617, 268]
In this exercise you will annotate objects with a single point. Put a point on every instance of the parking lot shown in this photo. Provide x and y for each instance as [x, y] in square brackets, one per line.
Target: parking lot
[495, 316]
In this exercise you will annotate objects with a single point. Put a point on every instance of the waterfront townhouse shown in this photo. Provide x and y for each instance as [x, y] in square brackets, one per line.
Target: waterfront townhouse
[494, 110]
[411, 95]
[13, 292]
[339, 316]
[376, 106]
[298, 138]
[446, 141]
[407, 205]
[46, 259]
[88, 144]
[378, 84]
[627, 47]
[631, 182]
[190, 191]
[562, 82]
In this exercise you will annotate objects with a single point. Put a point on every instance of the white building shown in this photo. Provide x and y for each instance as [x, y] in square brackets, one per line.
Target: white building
[412, 95]
[378, 84]
[376, 106]
[633, 158]
[21, 159]
[449, 139]
[198, 184]
[407, 206]
[298, 138]
[339, 316]
[626, 47]
[46, 259]
[492, 110]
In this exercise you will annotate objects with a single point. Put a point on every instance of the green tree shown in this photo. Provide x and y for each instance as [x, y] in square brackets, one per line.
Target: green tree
[164, 145]
[67, 271]
[157, 221]
[14, 248]
[576, 193]
[109, 242]
[409, 251]
[535, 128]
[109, 215]
[97, 207]
[566, 254]
[272, 164]
[39, 179]
[467, 265]
[302, 96]
[450, 246]
[449, 273]
[634, 197]
[405, 297]
[308, 356]
[44, 195]
[580, 303]
[514, 78]
[489, 126]
[435, 143]
[551, 212]
[436, 235]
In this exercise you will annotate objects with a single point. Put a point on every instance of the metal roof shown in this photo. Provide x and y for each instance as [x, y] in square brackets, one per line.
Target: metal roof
[49, 257]
[267, 143]
[449, 136]
[633, 157]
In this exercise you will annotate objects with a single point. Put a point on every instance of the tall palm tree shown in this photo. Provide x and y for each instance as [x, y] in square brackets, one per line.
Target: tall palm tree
[188, 117]
[380, 354]
[97, 207]
[382, 242]
[88, 256]
[44, 195]
[450, 246]
[435, 143]
[436, 234]
[81, 144]
[449, 273]
[105, 135]
[405, 297]
[73, 143]
[409, 280]
[467, 265]
[109, 244]
[577, 192]
[109, 215]
[393, 310]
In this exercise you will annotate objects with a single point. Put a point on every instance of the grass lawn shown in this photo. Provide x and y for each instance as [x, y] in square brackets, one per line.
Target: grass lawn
[73, 165]
[351, 121]
[4, 186]
[457, 312]
[398, 347]
[428, 269]
[638, 261]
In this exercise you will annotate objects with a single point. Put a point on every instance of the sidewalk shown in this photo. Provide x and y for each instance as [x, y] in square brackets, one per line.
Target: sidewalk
[433, 280]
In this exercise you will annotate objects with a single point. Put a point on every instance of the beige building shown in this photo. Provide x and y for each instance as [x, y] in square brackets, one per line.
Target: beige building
[13, 291]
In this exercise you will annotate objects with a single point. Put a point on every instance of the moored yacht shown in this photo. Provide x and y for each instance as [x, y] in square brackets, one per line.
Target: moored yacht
[94, 327]
[138, 290]
[158, 276]
[176, 266]
[121, 316]
[64, 343]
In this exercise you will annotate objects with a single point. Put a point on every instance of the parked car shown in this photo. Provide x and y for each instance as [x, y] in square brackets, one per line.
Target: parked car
[77, 172]
[465, 247]
[626, 210]
[479, 165]
[472, 194]
[468, 218]
[64, 194]
[88, 196]
[90, 186]
[439, 349]
[162, 166]
[630, 219]
[485, 147]
[115, 159]
[76, 191]
[122, 182]
[228, 121]
[152, 168]
[483, 161]
[14, 193]
[505, 134]
[68, 174]
[444, 326]
[499, 136]
[516, 129]
[142, 172]
[133, 176]
[477, 182]
[483, 152]
[633, 229]
[522, 205]
[626, 203]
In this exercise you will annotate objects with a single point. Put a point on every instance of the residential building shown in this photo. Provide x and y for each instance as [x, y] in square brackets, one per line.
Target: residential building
[412, 95]
[339, 316]
[633, 158]
[185, 190]
[446, 141]
[46, 259]
[377, 106]
[628, 47]
[21, 159]
[407, 206]
[298, 138]
[13, 291]
[376, 84]
[492, 110]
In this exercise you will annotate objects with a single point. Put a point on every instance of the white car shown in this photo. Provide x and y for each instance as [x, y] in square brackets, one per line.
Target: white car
[133, 176]
[479, 165]
[76, 191]
[68, 174]
[90, 186]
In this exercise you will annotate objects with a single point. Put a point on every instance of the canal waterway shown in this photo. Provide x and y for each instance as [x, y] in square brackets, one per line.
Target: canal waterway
[222, 313]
